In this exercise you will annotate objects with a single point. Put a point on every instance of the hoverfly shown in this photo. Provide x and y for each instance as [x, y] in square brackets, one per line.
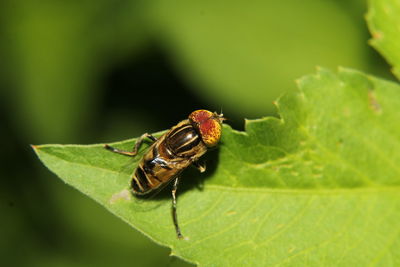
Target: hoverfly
[173, 152]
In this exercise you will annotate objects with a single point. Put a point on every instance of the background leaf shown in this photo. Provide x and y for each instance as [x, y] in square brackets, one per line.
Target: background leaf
[383, 21]
[317, 187]
[246, 55]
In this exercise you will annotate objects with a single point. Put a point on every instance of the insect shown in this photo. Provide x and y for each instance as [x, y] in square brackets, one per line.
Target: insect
[172, 153]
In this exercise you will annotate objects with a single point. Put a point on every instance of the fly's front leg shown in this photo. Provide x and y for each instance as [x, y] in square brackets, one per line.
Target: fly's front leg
[135, 148]
[200, 167]
[174, 212]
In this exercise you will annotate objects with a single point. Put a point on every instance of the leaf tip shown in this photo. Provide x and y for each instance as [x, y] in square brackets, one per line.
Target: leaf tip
[376, 35]
[318, 68]
[345, 70]
[322, 71]
[369, 15]
[300, 82]
[35, 148]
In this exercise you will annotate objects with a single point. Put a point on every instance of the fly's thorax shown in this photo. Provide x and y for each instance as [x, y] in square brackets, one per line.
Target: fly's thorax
[184, 141]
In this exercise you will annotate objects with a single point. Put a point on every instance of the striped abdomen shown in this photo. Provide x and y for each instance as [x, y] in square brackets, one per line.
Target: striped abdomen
[152, 172]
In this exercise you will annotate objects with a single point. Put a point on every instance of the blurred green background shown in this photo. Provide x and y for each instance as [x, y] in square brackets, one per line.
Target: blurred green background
[102, 71]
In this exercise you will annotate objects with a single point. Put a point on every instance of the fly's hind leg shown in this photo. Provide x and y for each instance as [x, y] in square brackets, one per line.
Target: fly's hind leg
[174, 212]
[135, 148]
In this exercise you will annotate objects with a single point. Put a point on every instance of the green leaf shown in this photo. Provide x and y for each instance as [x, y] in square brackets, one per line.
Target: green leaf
[384, 23]
[317, 187]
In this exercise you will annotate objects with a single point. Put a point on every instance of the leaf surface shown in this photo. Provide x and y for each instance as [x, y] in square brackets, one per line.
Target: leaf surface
[318, 186]
[384, 24]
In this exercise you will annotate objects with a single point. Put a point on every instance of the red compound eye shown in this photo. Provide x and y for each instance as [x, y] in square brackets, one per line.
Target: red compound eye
[208, 124]
[200, 116]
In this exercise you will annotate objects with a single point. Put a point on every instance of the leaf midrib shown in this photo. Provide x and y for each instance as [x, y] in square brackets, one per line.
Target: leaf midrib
[266, 190]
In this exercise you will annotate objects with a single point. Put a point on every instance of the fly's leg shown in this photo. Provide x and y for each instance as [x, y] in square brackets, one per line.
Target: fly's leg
[174, 213]
[135, 148]
[200, 167]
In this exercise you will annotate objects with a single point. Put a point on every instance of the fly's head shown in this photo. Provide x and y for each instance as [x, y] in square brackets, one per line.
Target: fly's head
[209, 125]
